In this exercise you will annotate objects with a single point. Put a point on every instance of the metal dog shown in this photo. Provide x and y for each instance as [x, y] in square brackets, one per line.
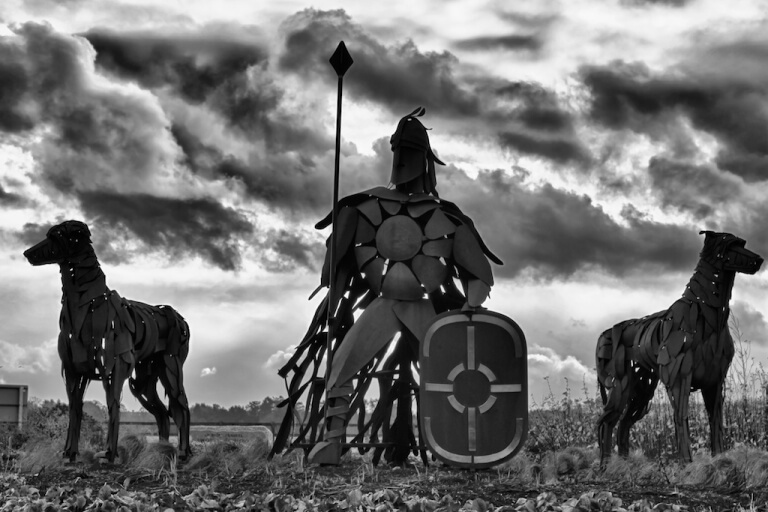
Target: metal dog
[108, 338]
[688, 347]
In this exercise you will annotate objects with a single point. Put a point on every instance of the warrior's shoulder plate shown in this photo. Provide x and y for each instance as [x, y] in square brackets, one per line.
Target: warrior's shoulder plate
[474, 388]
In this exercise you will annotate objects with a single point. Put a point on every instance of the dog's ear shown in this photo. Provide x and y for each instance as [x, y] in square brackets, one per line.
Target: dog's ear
[706, 232]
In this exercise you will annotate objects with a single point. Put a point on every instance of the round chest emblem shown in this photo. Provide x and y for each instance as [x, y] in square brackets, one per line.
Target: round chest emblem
[399, 238]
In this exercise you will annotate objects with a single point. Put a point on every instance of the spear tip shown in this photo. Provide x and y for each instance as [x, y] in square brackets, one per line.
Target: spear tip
[341, 60]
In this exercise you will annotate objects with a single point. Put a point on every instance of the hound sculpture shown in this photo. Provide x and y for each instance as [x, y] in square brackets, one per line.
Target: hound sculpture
[687, 347]
[106, 337]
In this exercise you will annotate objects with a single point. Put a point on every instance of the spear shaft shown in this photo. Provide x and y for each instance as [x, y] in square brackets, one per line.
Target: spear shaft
[341, 60]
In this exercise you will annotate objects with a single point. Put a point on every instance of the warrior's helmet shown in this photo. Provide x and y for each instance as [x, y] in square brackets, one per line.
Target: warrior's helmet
[413, 158]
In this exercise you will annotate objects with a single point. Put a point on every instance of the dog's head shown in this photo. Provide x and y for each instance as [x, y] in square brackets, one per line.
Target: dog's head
[728, 252]
[61, 243]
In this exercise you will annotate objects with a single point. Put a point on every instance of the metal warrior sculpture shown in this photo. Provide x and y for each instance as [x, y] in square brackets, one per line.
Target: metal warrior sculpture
[398, 253]
[687, 347]
[106, 337]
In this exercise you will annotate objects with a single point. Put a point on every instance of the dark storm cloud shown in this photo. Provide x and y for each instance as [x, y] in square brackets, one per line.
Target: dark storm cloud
[225, 68]
[398, 76]
[33, 233]
[11, 199]
[554, 148]
[523, 117]
[535, 22]
[298, 184]
[288, 182]
[698, 189]
[538, 126]
[193, 65]
[670, 3]
[97, 132]
[14, 85]
[555, 233]
[512, 42]
[731, 108]
[178, 227]
[32, 67]
[291, 250]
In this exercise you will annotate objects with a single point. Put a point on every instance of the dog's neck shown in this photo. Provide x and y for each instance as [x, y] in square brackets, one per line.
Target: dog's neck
[81, 275]
[717, 285]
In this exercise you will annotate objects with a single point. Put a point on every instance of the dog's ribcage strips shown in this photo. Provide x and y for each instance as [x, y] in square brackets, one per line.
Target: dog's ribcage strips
[98, 325]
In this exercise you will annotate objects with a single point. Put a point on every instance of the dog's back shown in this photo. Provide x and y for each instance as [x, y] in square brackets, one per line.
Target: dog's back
[158, 329]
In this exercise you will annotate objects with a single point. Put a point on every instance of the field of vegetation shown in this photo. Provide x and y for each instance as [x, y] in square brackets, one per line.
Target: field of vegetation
[557, 470]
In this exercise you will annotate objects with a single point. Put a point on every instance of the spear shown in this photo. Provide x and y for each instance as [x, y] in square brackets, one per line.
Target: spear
[341, 60]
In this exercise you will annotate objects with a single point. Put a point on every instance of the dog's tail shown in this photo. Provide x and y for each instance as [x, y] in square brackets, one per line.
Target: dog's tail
[604, 359]
[178, 334]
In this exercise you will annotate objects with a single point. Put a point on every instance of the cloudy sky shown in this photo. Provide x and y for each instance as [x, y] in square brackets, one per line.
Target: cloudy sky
[590, 140]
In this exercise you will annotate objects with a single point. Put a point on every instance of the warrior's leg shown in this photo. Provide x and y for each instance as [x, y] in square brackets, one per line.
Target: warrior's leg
[370, 333]
[401, 432]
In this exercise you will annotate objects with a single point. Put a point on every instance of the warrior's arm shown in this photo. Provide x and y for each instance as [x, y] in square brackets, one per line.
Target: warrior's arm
[472, 266]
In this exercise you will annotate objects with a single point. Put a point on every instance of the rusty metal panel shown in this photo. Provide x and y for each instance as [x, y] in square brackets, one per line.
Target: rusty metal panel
[13, 403]
[474, 388]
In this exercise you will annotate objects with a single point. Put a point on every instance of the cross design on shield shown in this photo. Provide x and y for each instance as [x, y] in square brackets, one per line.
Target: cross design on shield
[479, 362]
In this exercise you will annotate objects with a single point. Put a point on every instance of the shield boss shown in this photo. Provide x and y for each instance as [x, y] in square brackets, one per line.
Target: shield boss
[399, 238]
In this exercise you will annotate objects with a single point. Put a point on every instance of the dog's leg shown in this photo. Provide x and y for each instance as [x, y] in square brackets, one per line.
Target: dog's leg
[144, 388]
[173, 382]
[114, 389]
[76, 385]
[679, 393]
[713, 402]
[642, 386]
[617, 401]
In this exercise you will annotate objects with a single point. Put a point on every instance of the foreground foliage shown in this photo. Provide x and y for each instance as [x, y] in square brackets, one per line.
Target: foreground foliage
[17, 495]
[229, 475]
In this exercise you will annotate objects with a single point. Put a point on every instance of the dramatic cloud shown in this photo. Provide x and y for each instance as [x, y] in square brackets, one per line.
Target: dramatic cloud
[179, 227]
[670, 3]
[523, 117]
[33, 233]
[556, 233]
[399, 76]
[11, 199]
[290, 250]
[207, 372]
[698, 189]
[730, 108]
[192, 65]
[96, 133]
[536, 124]
[288, 181]
[226, 68]
[509, 42]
